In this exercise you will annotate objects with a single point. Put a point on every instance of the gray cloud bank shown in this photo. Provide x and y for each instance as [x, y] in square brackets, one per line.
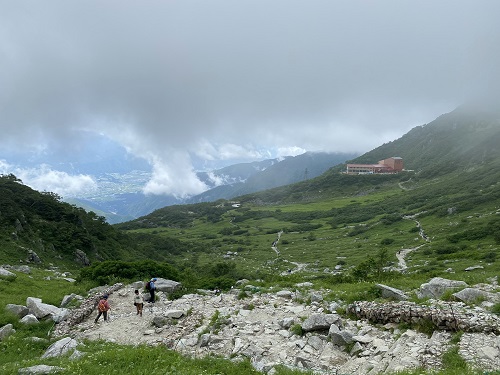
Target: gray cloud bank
[236, 80]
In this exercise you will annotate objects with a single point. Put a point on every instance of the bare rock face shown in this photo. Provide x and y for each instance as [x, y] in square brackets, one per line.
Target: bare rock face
[33, 257]
[81, 258]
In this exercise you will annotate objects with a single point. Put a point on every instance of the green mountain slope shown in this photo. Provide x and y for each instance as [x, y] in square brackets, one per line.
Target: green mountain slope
[447, 206]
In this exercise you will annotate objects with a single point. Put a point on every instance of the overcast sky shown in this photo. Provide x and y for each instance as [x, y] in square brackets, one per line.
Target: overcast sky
[237, 79]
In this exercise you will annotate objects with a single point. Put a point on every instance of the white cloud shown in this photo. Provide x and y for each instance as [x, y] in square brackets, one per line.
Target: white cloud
[174, 177]
[46, 179]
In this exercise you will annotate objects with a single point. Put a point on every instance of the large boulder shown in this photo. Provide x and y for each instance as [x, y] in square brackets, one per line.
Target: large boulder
[167, 286]
[41, 310]
[392, 293]
[320, 322]
[19, 310]
[472, 295]
[60, 348]
[438, 286]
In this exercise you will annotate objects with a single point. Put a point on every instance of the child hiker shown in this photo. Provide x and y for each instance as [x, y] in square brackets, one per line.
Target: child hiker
[138, 302]
[103, 308]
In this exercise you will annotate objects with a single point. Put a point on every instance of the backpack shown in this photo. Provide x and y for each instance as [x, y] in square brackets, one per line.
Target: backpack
[101, 306]
[148, 285]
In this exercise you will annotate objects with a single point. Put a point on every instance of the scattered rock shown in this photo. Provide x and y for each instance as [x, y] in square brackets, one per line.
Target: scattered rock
[7, 274]
[40, 370]
[6, 331]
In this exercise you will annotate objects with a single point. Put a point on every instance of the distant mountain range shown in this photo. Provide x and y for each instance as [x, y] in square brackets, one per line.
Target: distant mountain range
[120, 177]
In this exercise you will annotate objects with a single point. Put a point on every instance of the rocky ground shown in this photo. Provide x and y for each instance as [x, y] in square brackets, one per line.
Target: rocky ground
[264, 328]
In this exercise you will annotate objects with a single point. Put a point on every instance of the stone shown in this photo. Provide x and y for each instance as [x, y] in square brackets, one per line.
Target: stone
[306, 284]
[176, 314]
[81, 258]
[437, 286]
[19, 310]
[60, 348]
[7, 274]
[39, 309]
[472, 268]
[338, 337]
[392, 293]
[160, 321]
[67, 299]
[472, 295]
[316, 297]
[24, 269]
[29, 319]
[167, 286]
[284, 294]
[6, 331]
[40, 370]
[318, 322]
[33, 257]
[286, 322]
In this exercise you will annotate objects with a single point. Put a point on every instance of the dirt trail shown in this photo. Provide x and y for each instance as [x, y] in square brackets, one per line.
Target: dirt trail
[124, 325]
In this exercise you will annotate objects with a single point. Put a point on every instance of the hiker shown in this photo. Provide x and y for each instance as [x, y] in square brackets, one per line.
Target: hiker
[103, 308]
[138, 302]
[152, 289]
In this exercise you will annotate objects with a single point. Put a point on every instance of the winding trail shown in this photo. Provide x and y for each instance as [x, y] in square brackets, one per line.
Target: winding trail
[274, 246]
[401, 254]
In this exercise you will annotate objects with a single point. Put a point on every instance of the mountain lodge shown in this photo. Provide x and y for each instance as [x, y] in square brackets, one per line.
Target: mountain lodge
[390, 165]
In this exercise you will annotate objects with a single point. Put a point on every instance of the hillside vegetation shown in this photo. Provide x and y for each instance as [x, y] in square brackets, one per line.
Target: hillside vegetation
[450, 193]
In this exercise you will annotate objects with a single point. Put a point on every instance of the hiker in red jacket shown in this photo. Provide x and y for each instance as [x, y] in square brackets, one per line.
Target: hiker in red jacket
[103, 308]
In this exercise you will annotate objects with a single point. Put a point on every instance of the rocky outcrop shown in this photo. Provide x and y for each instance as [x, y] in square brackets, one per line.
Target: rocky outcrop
[81, 258]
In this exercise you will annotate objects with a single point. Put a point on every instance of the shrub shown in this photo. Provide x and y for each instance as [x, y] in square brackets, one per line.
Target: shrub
[296, 329]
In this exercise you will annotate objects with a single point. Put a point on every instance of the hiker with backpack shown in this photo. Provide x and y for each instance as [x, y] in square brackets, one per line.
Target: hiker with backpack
[151, 287]
[103, 308]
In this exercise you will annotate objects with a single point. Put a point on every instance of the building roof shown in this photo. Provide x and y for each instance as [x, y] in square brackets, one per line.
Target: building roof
[367, 165]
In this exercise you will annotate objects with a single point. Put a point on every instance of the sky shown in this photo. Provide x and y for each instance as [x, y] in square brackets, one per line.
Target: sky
[175, 81]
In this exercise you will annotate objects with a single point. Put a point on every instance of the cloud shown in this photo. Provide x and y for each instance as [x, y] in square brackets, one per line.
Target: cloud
[184, 79]
[47, 179]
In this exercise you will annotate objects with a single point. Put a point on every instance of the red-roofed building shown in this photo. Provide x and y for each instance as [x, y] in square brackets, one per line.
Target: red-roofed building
[390, 165]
